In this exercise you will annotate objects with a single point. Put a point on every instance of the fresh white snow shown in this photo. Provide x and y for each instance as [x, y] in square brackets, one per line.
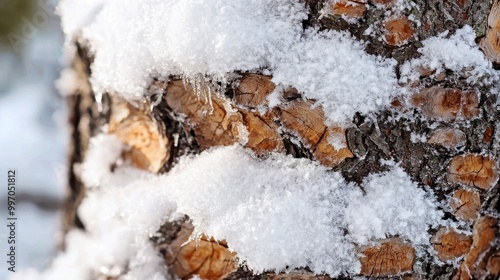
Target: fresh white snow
[274, 213]
[206, 41]
[393, 205]
[136, 41]
[458, 53]
[332, 68]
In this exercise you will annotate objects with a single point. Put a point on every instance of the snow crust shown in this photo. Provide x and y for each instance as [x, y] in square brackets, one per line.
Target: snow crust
[207, 40]
[274, 213]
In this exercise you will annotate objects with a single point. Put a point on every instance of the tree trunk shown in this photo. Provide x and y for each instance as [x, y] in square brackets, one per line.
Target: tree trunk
[457, 158]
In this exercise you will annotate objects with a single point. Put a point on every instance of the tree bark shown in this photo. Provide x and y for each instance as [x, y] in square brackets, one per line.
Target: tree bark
[461, 152]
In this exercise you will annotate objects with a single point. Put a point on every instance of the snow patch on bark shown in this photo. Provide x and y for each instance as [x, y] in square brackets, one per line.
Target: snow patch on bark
[458, 53]
[333, 68]
[201, 40]
[274, 213]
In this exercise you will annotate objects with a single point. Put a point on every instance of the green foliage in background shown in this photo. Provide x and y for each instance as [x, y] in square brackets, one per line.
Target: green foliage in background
[12, 13]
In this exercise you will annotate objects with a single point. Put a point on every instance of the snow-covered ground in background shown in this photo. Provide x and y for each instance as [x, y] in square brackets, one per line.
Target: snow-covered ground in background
[33, 140]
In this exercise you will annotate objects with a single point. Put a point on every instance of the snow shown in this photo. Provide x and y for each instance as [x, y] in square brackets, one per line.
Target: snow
[333, 68]
[67, 83]
[418, 138]
[119, 220]
[393, 205]
[337, 140]
[192, 38]
[105, 151]
[78, 13]
[458, 53]
[242, 134]
[275, 213]
[205, 41]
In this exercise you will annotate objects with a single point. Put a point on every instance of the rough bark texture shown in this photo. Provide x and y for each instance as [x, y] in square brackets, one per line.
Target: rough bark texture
[459, 161]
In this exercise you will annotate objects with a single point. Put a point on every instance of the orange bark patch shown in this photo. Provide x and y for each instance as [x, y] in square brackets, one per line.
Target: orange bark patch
[253, 90]
[309, 123]
[205, 257]
[210, 127]
[290, 94]
[392, 257]
[473, 170]
[450, 244]
[474, 266]
[150, 149]
[447, 137]
[262, 132]
[400, 104]
[425, 71]
[398, 31]
[384, 3]
[490, 44]
[353, 9]
[488, 134]
[465, 204]
[221, 124]
[331, 155]
[440, 76]
[447, 103]
[493, 265]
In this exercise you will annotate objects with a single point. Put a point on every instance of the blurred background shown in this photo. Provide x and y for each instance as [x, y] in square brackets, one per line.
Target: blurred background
[33, 128]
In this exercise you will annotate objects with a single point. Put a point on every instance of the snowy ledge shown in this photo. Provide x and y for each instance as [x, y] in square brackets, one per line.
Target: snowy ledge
[208, 40]
[275, 214]
[135, 42]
